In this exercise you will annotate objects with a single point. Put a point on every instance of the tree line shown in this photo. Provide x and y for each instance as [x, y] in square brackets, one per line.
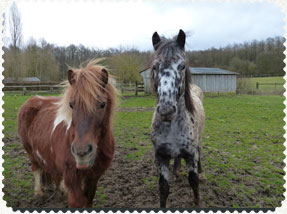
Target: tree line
[256, 58]
[50, 62]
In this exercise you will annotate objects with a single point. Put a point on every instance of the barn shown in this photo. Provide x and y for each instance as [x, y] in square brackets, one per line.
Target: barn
[208, 79]
[26, 80]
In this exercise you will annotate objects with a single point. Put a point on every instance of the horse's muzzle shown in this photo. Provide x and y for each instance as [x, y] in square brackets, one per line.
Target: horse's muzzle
[166, 112]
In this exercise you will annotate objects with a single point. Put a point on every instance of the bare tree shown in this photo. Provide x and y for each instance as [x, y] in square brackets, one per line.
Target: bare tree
[15, 26]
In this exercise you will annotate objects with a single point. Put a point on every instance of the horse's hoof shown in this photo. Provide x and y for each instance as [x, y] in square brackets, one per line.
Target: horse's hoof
[197, 203]
[176, 176]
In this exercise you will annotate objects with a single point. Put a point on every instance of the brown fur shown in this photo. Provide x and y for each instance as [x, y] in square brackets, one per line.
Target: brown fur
[35, 127]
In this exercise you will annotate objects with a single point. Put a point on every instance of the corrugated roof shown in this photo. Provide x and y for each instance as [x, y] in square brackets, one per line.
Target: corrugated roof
[30, 79]
[21, 79]
[207, 71]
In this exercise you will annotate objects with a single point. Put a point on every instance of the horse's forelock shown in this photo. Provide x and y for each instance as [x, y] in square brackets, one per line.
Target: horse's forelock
[168, 48]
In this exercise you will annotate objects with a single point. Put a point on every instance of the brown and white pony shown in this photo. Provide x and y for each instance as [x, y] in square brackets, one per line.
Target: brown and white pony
[69, 138]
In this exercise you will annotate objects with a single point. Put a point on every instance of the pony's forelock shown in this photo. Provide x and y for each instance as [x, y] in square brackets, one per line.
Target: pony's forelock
[87, 91]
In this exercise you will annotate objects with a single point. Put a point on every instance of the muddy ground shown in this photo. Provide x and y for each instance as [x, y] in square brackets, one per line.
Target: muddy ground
[132, 184]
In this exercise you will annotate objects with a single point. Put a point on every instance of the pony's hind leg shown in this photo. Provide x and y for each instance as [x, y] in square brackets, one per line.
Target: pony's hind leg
[38, 187]
[162, 163]
[193, 176]
[176, 166]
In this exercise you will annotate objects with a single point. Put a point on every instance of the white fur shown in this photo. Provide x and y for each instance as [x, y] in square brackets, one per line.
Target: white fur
[63, 187]
[37, 187]
[40, 157]
[64, 114]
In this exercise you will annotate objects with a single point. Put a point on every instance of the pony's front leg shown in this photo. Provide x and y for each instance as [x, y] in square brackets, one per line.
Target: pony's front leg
[38, 184]
[76, 199]
[91, 187]
[162, 163]
[193, 177]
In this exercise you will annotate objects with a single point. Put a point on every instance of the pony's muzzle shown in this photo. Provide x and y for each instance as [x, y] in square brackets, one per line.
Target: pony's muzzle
[166, 112]
[83, 155]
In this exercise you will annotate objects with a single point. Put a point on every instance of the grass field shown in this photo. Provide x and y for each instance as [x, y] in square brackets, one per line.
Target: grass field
[251, 83]
[242, 156]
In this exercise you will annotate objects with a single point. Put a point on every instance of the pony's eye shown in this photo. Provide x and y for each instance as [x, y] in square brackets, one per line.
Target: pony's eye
[102, 105]
[71, 105]
[183, 67]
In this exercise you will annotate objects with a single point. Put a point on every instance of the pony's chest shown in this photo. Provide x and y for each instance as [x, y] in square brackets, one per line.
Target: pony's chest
[174, 137]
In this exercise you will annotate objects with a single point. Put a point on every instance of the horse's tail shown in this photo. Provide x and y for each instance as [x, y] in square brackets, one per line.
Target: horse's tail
[46, 178]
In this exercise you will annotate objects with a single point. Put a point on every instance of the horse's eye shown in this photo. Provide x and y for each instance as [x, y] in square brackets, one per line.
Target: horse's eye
[183, 67]
[71, 105]
[102, 105]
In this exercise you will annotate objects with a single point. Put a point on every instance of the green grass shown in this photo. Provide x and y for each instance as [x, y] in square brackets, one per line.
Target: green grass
[266, 88]
[242, 146]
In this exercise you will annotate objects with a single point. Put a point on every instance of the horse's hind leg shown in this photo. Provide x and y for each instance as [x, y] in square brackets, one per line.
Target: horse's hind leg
[193, 177]
[200, 170]
[176, 166]
[162, 164]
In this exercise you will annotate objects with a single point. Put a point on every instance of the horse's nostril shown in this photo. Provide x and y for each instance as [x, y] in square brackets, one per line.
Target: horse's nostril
[174, 109]
[90, 148]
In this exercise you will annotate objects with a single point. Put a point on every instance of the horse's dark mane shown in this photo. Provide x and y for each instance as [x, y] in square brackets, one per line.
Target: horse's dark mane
[168, 48]
[187, 96]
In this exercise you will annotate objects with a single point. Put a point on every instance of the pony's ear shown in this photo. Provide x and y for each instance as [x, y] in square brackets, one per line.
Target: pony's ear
[105, 77]
[181, 39]
[71, 77]
[155, 40]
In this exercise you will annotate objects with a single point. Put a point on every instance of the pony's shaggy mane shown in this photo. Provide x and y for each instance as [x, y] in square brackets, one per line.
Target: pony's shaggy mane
[88, 91]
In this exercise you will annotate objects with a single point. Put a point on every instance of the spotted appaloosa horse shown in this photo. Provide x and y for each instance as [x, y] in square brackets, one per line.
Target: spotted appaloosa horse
[179, 117]
[69, 139]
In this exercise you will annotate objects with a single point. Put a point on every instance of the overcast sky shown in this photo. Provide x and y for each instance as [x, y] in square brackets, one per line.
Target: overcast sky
[106, 24]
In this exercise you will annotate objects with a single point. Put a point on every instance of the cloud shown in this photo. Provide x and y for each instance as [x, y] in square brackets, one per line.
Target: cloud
[114, 24]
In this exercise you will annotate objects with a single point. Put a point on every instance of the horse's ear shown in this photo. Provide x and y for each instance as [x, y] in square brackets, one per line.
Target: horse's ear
[105, 77]
[71, 77]
[181, 39]
[155, 40]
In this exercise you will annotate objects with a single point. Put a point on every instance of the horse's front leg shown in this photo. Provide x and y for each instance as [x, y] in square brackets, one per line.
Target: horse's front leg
[193, 176]
[162, 163]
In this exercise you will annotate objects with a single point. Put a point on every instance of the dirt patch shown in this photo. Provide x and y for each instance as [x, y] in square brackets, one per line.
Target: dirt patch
[131, 184]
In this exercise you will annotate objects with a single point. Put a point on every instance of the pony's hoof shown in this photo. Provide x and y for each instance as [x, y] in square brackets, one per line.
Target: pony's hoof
[38, 194]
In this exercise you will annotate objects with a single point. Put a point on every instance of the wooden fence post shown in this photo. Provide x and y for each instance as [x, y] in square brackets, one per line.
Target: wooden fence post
[122, 87]
[257, 85]
[24, 90]
[136, 88]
